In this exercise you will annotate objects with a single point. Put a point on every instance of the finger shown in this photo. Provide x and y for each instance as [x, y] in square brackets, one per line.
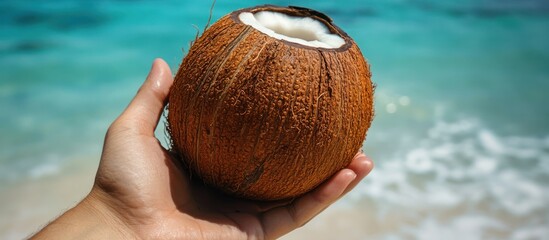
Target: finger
[282, 220]
[362, 166]
[143, 112]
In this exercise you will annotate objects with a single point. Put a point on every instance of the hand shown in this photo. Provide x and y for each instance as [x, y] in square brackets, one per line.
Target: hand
[140, 192]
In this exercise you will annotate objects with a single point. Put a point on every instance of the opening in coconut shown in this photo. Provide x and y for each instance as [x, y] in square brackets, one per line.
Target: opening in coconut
[301, 30]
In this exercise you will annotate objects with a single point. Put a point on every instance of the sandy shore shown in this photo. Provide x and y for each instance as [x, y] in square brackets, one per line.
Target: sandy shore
[28, 205]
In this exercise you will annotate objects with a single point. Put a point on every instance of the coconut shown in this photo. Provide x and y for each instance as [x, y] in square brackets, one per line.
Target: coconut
[270, 102]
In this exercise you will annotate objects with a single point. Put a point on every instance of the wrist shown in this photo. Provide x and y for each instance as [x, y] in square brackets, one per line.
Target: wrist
[96, 207]
[92, 218]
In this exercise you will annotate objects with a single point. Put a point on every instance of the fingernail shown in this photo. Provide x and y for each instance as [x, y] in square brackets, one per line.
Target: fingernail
[352, 175]
[369, 162]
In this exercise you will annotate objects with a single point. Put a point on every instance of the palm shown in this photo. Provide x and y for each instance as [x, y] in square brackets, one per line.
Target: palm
[161, 196]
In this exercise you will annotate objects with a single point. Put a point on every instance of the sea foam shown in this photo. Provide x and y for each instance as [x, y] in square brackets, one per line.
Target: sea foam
[463, 178]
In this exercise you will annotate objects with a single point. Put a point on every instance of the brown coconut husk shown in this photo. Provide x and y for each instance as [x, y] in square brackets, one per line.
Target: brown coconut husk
[268, 119]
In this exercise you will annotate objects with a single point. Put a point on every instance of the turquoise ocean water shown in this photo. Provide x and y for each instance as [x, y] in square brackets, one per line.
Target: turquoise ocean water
[460, 139]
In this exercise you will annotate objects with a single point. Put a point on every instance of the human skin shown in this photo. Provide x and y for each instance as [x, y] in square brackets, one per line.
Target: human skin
[140, 192]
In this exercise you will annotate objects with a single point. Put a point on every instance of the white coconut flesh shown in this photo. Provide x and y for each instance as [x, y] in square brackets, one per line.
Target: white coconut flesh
[301, 30]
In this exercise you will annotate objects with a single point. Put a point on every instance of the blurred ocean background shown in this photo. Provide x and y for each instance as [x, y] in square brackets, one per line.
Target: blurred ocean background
[460, 139]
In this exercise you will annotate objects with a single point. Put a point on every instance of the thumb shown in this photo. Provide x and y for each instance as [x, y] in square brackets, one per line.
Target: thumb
[143, 112]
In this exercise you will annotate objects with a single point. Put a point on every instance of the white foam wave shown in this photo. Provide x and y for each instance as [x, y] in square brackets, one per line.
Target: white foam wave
[468, 227]
[465, 172]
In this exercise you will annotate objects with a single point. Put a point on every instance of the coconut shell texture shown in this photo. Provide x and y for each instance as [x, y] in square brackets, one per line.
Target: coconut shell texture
[267, 119]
